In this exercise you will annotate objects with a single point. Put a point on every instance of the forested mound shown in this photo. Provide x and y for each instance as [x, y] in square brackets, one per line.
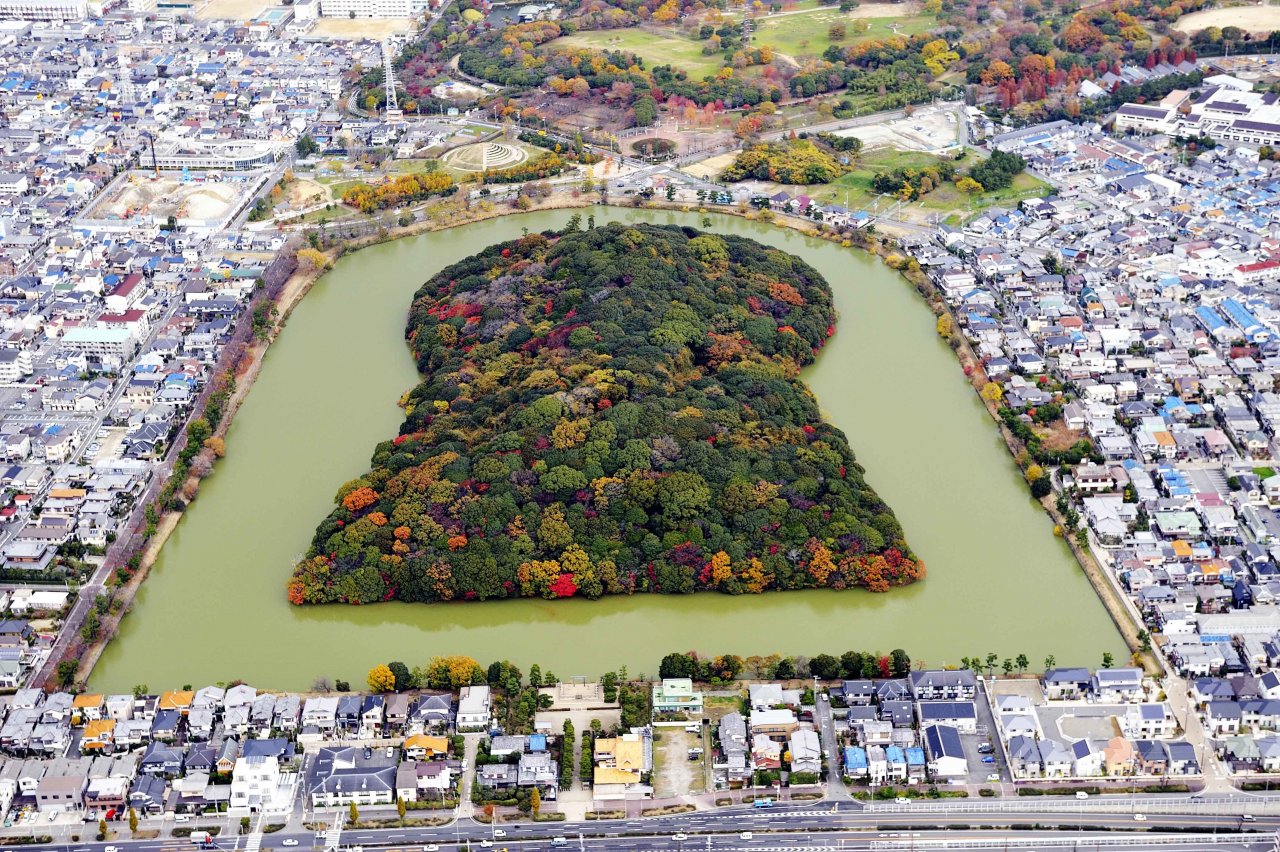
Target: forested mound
[610, 411]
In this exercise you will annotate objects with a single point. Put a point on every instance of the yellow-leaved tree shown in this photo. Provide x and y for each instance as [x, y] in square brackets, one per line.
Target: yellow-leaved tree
[381, 679]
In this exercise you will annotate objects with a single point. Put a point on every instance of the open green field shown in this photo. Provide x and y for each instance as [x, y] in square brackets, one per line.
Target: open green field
[856, 185]
[806, 33]
[854, 189]
[653, 49]
[947, 197]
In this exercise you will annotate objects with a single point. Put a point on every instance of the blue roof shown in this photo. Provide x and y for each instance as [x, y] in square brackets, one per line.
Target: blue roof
[1210, 318]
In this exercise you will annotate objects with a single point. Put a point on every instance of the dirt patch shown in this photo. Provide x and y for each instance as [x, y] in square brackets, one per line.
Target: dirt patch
[674, 773]
[1056, 436]
[303, 193]
[885, 10]
[1256, 19]
[233, 10]
[347, 28]
[716, 707]
[710, 168]
[928, 129]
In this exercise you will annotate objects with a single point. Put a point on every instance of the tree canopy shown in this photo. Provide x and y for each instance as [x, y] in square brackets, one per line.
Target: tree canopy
[610, 411]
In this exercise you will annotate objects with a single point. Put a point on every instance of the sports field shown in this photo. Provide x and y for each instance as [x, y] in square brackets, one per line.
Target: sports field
[233, 10]
[341, 29]
[1254, 19]
[807, 33]
[653, 49]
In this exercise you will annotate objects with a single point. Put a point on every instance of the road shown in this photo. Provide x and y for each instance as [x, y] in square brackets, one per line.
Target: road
[836, 789]
[821, 825]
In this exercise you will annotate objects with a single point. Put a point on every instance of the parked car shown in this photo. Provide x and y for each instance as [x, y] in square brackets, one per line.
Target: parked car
[994, 776]
[988, 759]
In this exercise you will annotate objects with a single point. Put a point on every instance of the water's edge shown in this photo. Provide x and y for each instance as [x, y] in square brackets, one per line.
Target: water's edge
[301, 415]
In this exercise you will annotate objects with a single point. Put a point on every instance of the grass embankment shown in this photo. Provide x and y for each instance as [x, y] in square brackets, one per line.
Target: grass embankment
[653, 48]
[808, 33]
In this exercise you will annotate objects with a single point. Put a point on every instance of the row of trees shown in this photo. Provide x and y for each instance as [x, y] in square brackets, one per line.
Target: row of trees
[728, 667]
[609, 412]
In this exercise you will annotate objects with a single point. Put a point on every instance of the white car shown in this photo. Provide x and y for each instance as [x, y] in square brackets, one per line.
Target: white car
[182, 818]
[290, 842]
[485, 844]
[994, 776]
[902, 800]
[497, 832]
[431, 847]
[679, 837]
[110, 849]
[1081, 794]
[746, 835]
[1140, 817]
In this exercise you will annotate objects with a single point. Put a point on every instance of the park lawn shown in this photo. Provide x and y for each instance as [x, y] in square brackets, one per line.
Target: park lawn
[673, 50]
[806, 34]
[428, 164]
[854, 188]
[947, 197]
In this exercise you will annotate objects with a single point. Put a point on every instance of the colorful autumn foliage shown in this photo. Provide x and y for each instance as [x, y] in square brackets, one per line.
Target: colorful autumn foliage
[396, 191]
[797, 161]
[709, 468]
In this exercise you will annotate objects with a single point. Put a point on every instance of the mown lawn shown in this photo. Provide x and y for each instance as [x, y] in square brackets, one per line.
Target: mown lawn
[671, 50]
[806, 34]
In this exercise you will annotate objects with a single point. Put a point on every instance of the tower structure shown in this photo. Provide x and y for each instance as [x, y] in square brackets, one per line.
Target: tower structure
[394, 113]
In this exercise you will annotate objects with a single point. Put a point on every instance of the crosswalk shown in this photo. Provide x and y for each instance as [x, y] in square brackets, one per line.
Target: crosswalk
[333, 837]
[253, 842]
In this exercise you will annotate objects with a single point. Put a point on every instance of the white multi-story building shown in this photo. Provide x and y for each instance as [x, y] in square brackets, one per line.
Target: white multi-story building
[14, 365]
[373, 8]
[45, 10]
[1224, 113]
[108, 346]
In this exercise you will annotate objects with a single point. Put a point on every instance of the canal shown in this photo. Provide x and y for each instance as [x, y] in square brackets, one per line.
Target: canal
[214, 607]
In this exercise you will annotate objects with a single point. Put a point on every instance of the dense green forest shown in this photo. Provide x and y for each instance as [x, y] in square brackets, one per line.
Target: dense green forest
[610, 411]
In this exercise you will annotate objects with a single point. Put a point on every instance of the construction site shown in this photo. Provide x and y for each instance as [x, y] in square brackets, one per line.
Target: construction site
[141, 197]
